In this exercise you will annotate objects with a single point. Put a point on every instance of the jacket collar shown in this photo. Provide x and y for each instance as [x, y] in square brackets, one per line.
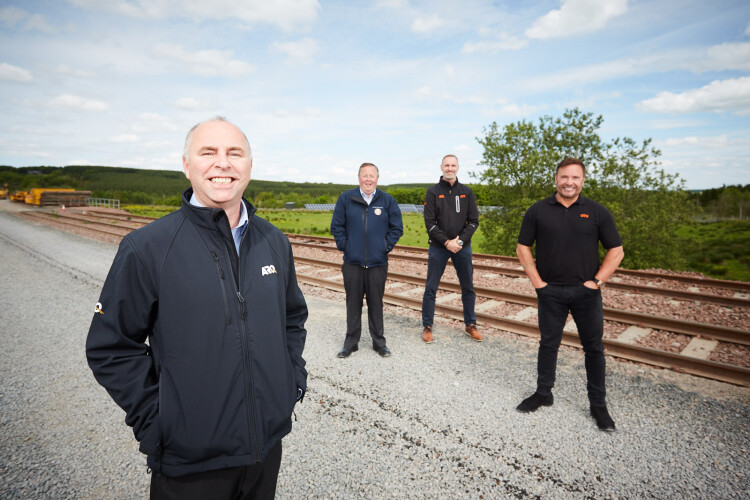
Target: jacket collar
[209, 218]
[446, 184]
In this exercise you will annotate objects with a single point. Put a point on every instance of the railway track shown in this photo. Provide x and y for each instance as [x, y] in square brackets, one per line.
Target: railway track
[118, 225]
[620, 349]
[741, 289]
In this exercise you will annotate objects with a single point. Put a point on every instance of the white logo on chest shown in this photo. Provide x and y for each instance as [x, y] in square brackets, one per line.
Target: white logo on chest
[267, 270]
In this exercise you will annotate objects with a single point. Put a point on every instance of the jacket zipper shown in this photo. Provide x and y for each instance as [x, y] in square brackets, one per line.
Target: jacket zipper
[248, 359]
[365, 215]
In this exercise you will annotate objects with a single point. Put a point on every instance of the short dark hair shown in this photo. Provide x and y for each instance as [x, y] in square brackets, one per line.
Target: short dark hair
[570, 161]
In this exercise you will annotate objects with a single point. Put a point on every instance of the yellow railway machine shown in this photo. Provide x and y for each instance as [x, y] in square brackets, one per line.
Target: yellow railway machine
[45, 197]
[19, 196]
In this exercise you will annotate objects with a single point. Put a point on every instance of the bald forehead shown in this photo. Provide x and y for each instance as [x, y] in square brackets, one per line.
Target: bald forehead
[214, 133]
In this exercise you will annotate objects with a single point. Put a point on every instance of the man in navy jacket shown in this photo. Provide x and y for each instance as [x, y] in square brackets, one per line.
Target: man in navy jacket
[213, 290]
[366, 225]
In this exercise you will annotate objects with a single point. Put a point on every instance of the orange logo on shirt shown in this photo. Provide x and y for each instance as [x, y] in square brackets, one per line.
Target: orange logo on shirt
[585, 216]
[463, 196]
[441, 196]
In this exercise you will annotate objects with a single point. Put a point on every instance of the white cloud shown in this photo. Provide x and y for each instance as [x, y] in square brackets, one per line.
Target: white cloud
[747, 30]
[713, 142]
[488, 106]
[10, 73]
[77, 102]
[39, 23]
[427, 24]
[285, 14]
[205, 62]
[393, 4]
[189, 103]
[15, 17]
[152, 122]
[125, 138]
[503, 41]
[302, 51]
[718, 96]
[67, 70]
[575, 17]
[11, 16]
[729, 56]
[722, 57]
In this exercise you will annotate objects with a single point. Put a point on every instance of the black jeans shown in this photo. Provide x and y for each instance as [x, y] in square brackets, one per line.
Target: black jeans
[585, 305]
[362, 282]
[256, 482]
[436, 261]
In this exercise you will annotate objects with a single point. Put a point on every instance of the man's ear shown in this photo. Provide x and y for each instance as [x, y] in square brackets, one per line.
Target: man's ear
[185, 167]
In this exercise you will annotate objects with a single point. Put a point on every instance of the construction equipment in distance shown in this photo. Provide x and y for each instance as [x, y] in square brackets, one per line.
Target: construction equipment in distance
[4, 192]
[19, 196]
[45, 197]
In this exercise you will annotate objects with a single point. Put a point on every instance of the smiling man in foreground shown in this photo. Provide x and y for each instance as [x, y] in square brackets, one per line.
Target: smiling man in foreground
[214, 291]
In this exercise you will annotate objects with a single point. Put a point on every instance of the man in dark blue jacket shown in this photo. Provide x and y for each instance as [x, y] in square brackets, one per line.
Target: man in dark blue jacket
[213, 290]
[366, 225]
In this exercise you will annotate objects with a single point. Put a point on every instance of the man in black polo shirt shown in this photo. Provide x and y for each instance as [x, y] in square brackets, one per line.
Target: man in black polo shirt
[567, 228]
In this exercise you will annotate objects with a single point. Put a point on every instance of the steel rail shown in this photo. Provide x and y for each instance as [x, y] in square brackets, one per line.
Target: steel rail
[136, 219]
[692, 328]
[694, 366]
[739, 286]
[79, 224]
[95, 219]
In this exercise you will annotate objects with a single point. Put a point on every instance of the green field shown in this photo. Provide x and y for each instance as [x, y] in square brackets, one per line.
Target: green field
[716, 249]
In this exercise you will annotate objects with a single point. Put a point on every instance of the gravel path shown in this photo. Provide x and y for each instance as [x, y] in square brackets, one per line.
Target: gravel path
[432, 421]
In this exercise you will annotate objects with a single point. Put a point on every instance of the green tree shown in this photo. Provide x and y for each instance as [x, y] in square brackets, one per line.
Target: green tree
[733, 203]
[648, 204]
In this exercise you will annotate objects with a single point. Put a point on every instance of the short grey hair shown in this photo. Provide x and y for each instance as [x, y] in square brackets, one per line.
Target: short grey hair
[368, 165]
[217, 118]
[449, 156]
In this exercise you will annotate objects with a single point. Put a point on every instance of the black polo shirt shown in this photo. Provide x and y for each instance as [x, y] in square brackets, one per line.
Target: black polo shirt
[567, 239]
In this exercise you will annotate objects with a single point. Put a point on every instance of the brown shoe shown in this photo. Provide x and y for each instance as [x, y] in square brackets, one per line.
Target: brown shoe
[427, 335]
[473, 332]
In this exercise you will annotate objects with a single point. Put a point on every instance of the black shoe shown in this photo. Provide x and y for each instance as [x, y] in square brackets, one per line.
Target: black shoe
[533, 402]
[603, 420]
[383, 351]
[344, 353]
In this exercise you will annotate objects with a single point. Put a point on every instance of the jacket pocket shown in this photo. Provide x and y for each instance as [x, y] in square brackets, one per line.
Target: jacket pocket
[223, 286]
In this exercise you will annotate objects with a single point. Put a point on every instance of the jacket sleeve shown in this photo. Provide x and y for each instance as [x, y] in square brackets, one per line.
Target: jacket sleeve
[338, 223]
[434, 233]
[472, 218]
[296, 315]
[116, 344]
[395, 225]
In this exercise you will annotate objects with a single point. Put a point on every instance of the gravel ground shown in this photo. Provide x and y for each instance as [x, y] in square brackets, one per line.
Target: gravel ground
[432, 421]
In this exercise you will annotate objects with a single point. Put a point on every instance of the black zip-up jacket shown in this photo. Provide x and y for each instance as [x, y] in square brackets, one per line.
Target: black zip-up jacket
[450, 211]
[216, 385]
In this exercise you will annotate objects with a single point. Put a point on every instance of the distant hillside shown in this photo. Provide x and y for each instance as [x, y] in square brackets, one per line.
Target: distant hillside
[133, 185]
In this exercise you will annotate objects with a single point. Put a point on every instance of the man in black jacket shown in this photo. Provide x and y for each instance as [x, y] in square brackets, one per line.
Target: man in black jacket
[213, 290]
[451, 217]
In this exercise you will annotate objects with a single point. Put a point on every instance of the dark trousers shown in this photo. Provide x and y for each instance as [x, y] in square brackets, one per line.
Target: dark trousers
[256, 482]
[359, 283]
[436, 261]
[585, 305]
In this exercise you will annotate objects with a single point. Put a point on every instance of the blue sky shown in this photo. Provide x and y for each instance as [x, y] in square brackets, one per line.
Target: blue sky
[322, 86]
